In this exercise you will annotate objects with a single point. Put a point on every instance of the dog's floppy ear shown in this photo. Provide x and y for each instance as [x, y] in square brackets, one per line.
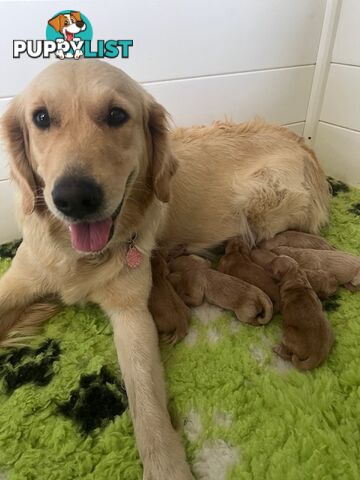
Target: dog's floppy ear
[15, 137]
[236, 245]
[163, 164]
[76, 15]
[280, 266]
[55, 22]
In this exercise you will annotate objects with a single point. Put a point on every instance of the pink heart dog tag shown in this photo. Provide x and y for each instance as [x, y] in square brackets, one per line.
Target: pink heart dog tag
[133, 257]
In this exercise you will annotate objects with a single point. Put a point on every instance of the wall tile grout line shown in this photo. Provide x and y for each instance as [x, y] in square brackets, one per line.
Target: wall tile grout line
[340, 126]
[352, 65]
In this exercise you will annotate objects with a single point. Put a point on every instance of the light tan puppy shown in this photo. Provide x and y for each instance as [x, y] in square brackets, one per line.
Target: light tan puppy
[324, 283]
[169, 312]
[238, 263]
[295, 239]
[102, 181]
[344, 266]
[195, 281]
[307, 334]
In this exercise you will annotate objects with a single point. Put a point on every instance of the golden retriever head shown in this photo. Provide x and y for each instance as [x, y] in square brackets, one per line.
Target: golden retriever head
[85, 142]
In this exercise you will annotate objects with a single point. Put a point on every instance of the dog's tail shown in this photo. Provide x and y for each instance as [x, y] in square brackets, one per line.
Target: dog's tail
[320, 354]
[19, 325]
[307, 364]
[266, 309]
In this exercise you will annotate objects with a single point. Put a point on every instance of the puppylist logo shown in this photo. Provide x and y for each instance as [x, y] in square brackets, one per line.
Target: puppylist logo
[68, 35]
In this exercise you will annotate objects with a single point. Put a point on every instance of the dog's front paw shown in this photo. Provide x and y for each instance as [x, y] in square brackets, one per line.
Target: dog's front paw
[172, 472]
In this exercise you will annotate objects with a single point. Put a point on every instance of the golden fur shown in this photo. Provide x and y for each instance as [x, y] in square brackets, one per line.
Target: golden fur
[344, 266]
[169, 312]
[251, 179]
[237, 263]
[307, 334]
[324, 283]
[195, 281]
[296, 240]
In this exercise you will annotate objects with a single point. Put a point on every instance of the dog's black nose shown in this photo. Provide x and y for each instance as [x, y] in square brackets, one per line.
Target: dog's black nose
[80, 23]
[77, 197]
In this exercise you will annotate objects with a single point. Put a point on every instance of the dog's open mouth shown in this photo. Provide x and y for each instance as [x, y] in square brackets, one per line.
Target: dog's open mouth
[69, 36]
[93, 236]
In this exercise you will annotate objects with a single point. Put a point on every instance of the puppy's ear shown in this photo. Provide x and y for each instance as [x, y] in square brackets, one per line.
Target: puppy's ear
[280, 266]
[15, 136]
[236, 245]
[76, 15]
[175, 278]
[55, 23]
[231, 246]
[158, 264]
[163, 164]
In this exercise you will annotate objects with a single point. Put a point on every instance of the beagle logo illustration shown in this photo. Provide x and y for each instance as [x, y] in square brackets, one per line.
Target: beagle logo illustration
[69, 34]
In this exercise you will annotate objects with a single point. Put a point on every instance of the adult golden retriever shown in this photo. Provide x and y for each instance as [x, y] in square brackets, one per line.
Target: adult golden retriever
[102, 181]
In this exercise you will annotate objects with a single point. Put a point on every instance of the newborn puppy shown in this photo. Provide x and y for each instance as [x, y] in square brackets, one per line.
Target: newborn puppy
[170, 313]
[323, 283]
[238, 263]
[177, 251]
[291, 238]
[195, 281]
[344, 266]
[307, 334]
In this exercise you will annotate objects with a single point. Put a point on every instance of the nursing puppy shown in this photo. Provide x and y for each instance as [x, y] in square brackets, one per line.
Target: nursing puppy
[323, 283]
[169, 312]
[291, 238]
[238, 263]
[195, 281]
[103, 182]
[344, 266]
[307, 334]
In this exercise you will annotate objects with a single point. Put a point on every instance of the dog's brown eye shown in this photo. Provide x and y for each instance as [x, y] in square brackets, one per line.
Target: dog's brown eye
[41, 118]
[116, 117]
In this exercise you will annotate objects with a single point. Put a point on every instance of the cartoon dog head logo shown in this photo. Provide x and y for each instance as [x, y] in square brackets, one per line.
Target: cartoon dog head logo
[69, 29]
[68, 24]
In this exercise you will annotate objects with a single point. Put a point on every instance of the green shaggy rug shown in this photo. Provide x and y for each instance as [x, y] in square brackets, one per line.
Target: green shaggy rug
[243, 412]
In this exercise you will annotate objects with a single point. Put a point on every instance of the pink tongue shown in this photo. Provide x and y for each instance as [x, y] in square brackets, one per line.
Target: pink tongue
[90, 237]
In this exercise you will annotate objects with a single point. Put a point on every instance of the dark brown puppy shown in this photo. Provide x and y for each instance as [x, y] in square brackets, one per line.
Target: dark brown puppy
[170, 313]
[238, 263]
[307, 334]
[292, 238]
[344, 266]
[323, 283]
[195, 281]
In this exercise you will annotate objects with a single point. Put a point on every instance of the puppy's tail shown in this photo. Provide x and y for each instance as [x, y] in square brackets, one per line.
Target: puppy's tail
[20, 325]
[266, 309]
[319, 356]
[307, 364]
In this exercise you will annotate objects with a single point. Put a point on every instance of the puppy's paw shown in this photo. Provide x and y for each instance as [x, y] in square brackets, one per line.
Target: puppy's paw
[351, 287]
[283, 351]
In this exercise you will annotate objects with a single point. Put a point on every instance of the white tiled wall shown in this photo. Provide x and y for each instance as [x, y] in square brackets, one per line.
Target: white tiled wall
[338, 137]
[202, 59]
